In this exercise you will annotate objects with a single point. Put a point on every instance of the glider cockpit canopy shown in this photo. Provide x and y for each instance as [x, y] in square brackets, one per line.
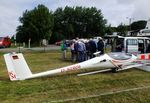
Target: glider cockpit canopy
[120, 56]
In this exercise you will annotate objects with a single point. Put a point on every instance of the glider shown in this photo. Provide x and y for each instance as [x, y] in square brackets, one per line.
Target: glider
[19, 70]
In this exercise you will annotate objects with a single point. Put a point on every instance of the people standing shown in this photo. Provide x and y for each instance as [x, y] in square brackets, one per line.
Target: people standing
[87, 52]
[92, 48]
[64, 50]
[100, 46]
[76, 50]
[72, 47]
[81, 50]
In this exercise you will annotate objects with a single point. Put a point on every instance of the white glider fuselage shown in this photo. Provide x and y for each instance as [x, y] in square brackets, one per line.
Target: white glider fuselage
[103, 61]
[19, 70]
[92, 63]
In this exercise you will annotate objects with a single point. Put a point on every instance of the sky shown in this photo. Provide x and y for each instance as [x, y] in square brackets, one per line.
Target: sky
[114, 11]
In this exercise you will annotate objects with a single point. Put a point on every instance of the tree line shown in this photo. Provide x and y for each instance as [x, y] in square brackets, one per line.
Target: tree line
[64, 23]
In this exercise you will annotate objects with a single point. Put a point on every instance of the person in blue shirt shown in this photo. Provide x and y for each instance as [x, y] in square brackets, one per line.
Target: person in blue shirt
[81, 51]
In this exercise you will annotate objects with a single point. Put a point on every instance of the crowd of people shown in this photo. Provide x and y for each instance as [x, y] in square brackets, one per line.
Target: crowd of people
[83, 50]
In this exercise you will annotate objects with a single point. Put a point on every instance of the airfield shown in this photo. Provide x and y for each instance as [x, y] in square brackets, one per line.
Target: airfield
[130, 86]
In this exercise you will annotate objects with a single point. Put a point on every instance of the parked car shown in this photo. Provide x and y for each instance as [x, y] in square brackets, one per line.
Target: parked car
[5, 42]
[58, 43]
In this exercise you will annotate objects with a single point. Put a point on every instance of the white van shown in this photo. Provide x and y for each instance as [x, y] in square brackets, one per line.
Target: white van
[130, 44]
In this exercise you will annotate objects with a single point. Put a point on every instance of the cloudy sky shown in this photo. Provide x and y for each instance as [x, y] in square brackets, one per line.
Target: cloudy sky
[115, 11]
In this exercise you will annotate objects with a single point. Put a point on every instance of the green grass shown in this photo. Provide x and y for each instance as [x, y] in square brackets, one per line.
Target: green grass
[68, 85]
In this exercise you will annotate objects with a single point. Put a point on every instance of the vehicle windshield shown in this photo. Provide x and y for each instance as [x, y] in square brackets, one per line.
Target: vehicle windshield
[120, 56]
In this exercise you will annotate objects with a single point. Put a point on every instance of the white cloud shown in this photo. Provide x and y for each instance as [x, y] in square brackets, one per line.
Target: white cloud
[142, 9]
[9, 15]
[115, 11]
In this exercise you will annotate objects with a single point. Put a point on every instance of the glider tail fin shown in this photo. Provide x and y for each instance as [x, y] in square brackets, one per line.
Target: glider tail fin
[17, 66]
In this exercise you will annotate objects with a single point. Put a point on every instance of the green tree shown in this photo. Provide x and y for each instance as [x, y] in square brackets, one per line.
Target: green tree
[122, 30]
[37, 24]
[109, 30]
[78, 21]
[58, 28]
[138, 25]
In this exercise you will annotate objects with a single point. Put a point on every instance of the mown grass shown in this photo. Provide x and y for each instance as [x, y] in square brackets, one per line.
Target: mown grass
[68, 85]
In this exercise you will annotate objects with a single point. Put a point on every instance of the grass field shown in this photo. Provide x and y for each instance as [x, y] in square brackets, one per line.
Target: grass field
[68, 88]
